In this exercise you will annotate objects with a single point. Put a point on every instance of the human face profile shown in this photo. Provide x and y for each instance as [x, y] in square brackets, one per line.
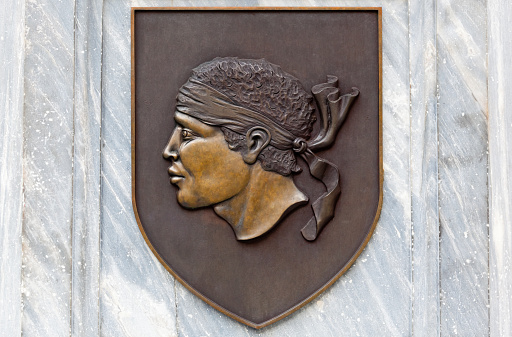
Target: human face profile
[203, 167]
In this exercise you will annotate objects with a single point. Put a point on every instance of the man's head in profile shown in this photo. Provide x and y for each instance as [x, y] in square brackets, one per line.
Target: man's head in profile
[240, 125]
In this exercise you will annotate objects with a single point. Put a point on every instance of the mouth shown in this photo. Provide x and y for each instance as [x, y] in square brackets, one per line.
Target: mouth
[176, 179]
[176, 176]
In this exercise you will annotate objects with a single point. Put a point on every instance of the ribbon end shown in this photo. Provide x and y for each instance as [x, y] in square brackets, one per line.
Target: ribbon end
[309, 231]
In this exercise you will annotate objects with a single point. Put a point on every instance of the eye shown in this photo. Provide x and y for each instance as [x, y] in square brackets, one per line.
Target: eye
[187, 134]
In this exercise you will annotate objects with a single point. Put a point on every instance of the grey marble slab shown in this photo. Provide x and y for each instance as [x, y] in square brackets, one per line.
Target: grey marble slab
[86, 169]
[424, 167]
[12, 54]
[500, 159]
[48, 167]
[136, 292]
[72, 259]
[463, 196]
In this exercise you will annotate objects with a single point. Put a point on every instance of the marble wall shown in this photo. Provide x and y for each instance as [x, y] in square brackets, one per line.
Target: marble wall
[72, 259]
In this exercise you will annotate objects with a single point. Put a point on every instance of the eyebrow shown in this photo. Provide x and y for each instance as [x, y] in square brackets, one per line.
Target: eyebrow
[189, 122]
[181, 120]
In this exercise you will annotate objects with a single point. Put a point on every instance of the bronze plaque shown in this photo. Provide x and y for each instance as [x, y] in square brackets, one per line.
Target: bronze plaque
[256, 149]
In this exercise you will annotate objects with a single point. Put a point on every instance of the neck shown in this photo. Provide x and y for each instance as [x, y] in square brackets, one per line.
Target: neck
[266, 199]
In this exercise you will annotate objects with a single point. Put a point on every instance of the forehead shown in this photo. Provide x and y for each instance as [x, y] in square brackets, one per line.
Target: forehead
[193, 123]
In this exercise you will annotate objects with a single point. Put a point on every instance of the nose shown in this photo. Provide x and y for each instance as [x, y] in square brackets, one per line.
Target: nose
[170, 154]
[171, 149]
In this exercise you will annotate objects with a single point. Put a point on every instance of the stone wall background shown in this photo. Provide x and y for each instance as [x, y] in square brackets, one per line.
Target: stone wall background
[73, 262]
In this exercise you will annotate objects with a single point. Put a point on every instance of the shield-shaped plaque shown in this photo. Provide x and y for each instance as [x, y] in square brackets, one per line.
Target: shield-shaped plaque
[256, 149]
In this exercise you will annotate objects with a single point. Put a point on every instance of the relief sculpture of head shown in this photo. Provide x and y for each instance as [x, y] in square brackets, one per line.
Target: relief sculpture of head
[241, 127]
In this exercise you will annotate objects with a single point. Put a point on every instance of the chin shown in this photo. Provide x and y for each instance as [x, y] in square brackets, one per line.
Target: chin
[183, 201]
[189, 202]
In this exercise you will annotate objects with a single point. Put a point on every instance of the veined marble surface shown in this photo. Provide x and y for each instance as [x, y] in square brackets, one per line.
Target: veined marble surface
[48, 168]
[12, 54]
[499, 37]
[72, 259]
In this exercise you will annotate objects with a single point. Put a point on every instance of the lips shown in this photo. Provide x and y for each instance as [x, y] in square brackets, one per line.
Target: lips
[176, 179]
[175, 174]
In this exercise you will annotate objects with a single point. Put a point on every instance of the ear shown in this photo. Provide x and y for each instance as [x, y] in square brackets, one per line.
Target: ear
[257, 139]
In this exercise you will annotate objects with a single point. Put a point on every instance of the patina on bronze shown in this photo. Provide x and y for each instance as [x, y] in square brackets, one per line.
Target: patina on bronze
[266, 115]
[244, 142]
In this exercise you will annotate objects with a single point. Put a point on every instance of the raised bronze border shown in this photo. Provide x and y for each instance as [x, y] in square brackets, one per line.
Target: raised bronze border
[381, 169]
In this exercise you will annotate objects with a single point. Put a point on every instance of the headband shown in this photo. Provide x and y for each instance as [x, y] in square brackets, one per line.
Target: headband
[195, 98]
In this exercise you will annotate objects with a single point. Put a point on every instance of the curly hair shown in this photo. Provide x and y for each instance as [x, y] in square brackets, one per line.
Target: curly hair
[263, 87]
